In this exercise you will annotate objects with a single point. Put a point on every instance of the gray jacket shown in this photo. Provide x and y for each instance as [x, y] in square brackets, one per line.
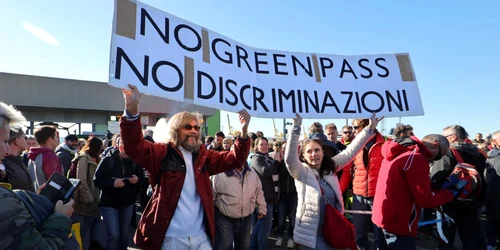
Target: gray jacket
[66, 155]
[266, 167]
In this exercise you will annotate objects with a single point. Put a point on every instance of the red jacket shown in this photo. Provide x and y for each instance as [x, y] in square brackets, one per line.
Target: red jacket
[365, 179]
[156, 218]
[345, 179]
[50, 161]
[404, 187]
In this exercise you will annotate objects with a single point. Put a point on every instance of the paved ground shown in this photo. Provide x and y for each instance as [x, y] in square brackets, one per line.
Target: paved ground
[421, 244]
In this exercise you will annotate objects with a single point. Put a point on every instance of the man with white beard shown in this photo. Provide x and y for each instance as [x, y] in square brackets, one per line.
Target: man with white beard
[181, 213]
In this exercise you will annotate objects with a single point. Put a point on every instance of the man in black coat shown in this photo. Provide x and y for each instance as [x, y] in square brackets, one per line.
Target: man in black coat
[465, 213]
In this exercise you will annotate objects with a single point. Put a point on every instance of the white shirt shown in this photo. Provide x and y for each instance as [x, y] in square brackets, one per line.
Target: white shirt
[188, 216]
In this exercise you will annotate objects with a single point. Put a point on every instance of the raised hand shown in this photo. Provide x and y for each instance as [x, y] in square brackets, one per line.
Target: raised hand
[132, 97]
[278, 156]
[244, 118]
[297, 121]
[374, 121]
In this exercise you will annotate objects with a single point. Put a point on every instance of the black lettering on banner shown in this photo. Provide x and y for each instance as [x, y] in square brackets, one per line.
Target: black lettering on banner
[363, 102]
[212, 81]
[299, 99]
[308, 100]
[244, 57]
[325, 66]
[296, 61]
[349, 70]
[118, 66]
[358, 102]
[273, 91]
[231, 91]
[398, 103]
[386, 74]
[164, 35]
[229, 59]
[258, 98]
[258, 63]
[405, 99]
[198, 38]
[276, 64]
[348, 102]
[242, 98]
[361, 65]
[158, 82]
[282, 95]
[329, 102]
[221, 89]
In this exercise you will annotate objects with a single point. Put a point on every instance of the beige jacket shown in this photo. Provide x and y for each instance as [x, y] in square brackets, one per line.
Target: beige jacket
[87, 195]
[235, 199]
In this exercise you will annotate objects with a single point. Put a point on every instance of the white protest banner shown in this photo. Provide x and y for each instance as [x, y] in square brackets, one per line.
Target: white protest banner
[114, 127]
[166, 56]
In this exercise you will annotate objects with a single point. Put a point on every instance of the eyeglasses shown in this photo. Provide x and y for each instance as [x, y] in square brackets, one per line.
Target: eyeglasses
[189, 127]
[347, 132]
[355, 127]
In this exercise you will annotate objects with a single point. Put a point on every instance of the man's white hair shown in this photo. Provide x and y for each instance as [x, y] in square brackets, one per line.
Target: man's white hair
[10, 114]
[496, 134]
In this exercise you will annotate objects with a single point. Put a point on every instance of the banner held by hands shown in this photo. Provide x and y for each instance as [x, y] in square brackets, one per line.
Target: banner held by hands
[166, 56]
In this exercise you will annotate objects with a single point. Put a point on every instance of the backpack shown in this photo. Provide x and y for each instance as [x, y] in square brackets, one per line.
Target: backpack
[164, 163]
[468, 172]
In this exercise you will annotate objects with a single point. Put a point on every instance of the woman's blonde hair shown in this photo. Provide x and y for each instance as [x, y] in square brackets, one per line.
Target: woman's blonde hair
[177, 122]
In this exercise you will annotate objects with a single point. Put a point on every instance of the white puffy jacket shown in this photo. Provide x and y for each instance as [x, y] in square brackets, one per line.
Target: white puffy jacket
[307, 183]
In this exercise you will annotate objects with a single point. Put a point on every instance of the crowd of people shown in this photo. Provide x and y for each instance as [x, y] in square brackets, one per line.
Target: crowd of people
[230, 192]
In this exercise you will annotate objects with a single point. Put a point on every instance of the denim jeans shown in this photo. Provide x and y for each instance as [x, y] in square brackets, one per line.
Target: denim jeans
[117, 222]
[261, 230]
[363, 222]
[287, 208]
[229, 230]
[89, 229]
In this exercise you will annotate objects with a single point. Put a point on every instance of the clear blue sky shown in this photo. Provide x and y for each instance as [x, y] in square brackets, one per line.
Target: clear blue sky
[454, 45]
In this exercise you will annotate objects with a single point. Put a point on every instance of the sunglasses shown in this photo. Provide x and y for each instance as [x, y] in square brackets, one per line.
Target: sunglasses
[347, 132]
[189, 127]
[355, 127]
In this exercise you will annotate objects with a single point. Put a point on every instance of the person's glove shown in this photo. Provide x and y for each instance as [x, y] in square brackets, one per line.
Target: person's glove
[455, 185]
[450, 182]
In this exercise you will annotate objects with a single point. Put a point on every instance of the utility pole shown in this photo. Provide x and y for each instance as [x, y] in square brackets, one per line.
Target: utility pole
[382, 127]
[284, 129]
